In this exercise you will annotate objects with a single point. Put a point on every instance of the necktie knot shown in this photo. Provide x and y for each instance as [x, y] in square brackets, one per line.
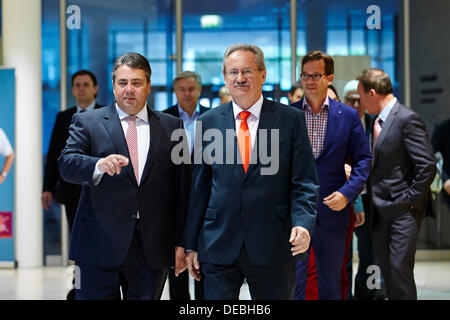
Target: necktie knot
[131, 119]
[244, 115]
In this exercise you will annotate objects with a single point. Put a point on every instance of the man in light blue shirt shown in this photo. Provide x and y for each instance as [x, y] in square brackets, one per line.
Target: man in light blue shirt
[188, 88]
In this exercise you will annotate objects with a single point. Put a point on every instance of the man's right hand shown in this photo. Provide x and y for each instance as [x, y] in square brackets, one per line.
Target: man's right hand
[112, 164]
[46, 198]
[193, 265]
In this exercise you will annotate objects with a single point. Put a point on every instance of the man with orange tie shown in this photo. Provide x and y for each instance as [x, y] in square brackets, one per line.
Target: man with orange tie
[251, 214]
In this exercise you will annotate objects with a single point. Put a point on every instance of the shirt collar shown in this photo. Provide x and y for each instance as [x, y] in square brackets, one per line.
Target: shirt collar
[255, 109]
[325, 104]
[386, 110]
[89, 107]
[143, 114]
[184, 113]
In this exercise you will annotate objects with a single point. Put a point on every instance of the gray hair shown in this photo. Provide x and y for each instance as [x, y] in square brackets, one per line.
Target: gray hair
[259, 55]
[188, 74]
[134, 61]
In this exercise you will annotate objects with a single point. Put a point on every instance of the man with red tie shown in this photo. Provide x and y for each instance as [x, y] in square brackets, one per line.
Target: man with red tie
[247, 220]
[403, 168]
[130, 219]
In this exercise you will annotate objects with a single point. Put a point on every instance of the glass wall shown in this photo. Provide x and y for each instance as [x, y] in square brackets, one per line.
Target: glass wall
[209, 28]
[110, 28]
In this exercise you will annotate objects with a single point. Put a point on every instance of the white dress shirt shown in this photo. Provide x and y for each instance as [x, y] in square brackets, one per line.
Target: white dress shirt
[252, 120]
[143, 133]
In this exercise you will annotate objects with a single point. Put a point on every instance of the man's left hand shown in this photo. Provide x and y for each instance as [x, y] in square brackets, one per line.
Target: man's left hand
[359, 219]
[336, 201]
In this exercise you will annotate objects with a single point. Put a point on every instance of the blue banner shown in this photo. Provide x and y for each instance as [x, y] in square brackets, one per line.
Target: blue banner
[7, 119]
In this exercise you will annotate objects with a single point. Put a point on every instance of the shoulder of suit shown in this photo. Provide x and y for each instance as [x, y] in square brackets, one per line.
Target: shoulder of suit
[284, 109]
[165, 116]
[171, 110]
[69, 111]
[406, 111]
[345, 109]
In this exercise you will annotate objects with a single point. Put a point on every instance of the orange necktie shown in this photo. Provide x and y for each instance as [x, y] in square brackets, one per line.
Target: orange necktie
[244, 142]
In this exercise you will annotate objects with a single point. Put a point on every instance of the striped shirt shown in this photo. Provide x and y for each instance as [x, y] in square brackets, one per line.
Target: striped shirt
[317, 126]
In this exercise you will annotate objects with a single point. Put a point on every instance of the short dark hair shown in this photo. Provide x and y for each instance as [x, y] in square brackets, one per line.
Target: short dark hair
[134, 61]
[319, 55]
[295, 86]
[376, 79]
[84, 73]
[334, 90]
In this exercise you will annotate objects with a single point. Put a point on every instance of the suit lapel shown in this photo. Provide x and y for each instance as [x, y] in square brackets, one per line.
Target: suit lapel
[229, 123]
[334, 114]
[155, 140]
[112, 124]
[385, 129]
[266, 120]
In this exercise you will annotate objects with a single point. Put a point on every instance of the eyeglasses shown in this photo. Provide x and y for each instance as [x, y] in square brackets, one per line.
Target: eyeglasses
[354, 98]
[234, 73]
[315, 76]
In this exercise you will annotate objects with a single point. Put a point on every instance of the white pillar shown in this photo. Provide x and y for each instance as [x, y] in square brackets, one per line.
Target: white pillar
[21, 29]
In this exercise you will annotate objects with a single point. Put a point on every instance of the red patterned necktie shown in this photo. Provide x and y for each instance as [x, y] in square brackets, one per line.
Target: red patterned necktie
[244, 141]
[376, 132]
[132, 143]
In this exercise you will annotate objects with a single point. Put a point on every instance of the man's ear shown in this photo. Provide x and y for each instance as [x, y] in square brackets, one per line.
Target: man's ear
[264, 74]
[330, 78]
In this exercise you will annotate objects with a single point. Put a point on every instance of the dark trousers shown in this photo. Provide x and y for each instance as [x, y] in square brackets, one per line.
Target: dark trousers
[329, 249]
[103, 283]
[223, 282]
[179, 287]
[365, 254]
[71, 206]
[394, 244]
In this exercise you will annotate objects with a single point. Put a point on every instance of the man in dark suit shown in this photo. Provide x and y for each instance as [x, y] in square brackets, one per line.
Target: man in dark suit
[84, 89]
[250, 216]
[336, 136]
[130, 221]
[441, 143]
[361, 206]
[403, 168]
[188, 87]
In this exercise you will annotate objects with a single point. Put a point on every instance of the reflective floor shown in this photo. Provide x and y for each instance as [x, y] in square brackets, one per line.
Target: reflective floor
[51, 283]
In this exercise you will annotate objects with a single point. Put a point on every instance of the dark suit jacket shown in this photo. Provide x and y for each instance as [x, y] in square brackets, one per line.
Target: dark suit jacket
[229, 208]
[404, 165]
[441, 143]
[106, 215]
[173, 110]
[345, 139]
[62, 190]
